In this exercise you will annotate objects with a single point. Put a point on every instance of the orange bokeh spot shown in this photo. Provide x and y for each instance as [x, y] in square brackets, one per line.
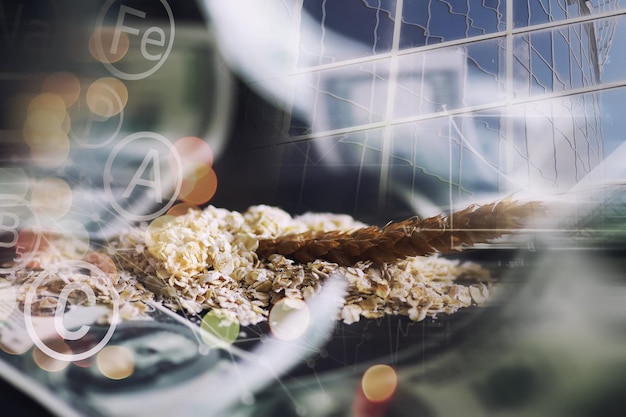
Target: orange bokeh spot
[200, 186]
[45, 130]
[193, 150]
[116, 362]
[195, 158]
[45, 122]
[181, 208]
[379, 382]
[43, 139]
[49, 364]
[50, 104]
[106, 48]
[65, 84]
[106, 97]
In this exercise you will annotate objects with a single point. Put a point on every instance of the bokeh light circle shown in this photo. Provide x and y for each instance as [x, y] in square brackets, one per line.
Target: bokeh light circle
[52, 364]
[43, 126]
[220, 328]
[181, 209]
[199, 182]
[379, 382]
[45, 130]
[193, 150]
[101, 45]
[116, 362]
[199, 187]
[106, 97]
[289, 319]
[48, 103]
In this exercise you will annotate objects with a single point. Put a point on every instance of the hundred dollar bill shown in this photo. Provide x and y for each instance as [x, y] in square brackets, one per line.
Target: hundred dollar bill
[163, 364]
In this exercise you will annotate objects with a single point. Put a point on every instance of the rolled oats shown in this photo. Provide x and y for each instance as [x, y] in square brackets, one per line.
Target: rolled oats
[206, 259]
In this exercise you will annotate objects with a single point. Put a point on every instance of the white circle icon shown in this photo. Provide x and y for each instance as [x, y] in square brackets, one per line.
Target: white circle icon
[60, 311]
[148, 190]
[154, 44]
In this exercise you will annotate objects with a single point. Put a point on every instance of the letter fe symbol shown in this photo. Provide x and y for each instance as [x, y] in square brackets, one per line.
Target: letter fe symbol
[153, 41]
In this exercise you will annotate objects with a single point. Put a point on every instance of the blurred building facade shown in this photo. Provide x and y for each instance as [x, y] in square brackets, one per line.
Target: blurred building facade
[401, 107]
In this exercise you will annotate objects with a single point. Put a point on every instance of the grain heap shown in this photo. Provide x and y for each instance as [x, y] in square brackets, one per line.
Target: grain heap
[58, 262]
[246, 262]
[213, 259]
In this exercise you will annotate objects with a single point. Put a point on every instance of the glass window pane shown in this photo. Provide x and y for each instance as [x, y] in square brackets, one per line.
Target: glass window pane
[346, 29]
[450, 78]
[435, 21]
[535, 12]
[569, 57]
[342, 97]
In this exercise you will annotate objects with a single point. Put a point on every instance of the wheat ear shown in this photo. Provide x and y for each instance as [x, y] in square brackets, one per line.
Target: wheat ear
[410, 237]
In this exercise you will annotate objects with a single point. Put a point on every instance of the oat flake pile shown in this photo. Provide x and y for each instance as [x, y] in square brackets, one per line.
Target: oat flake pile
[207, 259]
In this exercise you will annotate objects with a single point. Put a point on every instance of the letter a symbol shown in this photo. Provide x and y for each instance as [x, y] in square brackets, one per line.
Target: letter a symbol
[155, 182]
